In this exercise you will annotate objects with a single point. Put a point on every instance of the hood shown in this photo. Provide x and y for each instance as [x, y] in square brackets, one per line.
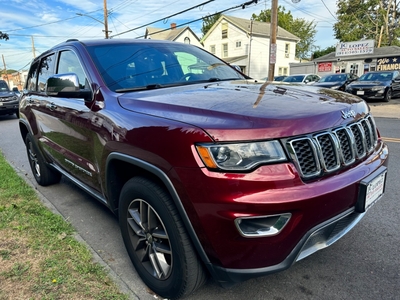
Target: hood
[368, 83]
[334, 83]
[6, 94]
[240, 110]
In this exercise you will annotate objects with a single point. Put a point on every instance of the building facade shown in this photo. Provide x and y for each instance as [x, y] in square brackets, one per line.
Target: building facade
[246, 43]
[375, 59]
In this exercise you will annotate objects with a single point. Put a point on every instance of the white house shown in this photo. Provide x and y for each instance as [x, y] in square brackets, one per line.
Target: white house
[183, 35]
[246, 43]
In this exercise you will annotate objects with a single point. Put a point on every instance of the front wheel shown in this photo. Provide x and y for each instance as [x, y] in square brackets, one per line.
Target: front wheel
[43, 174]
[156, 240]
[388, 95]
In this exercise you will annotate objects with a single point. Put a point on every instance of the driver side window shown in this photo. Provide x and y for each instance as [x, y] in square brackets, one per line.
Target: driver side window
[69, 63]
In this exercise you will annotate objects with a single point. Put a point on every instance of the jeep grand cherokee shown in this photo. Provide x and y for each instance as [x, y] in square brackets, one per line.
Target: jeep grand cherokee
[209, 172]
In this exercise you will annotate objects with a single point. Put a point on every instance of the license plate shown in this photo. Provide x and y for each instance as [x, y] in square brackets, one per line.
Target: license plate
[371, 189]
[360, 92]
[1, 103]
[375, 190]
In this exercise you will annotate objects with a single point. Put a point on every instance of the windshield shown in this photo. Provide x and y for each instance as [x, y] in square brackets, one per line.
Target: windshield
[295, 78]
[138, 66]
[376, 76]
[333, 78]
[3, 87]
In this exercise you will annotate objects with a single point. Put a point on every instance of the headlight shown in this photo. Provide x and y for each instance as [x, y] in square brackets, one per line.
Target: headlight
[378, 87]
[336, 87]
[240, 156]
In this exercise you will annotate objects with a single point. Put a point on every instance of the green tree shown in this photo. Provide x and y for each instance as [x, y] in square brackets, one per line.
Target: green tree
[3, 36]
[319, 53]
[208, 22]
[301, 28]
[368, 19]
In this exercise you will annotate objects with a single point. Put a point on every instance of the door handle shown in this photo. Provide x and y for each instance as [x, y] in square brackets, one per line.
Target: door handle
[51, 106]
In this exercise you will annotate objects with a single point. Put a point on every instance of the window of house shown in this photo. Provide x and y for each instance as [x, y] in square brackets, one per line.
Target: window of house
[224, 50]
[212, 49]
[238, 44]
[282, 71]
[186, 40]
[224, 27]
[354, 69]
[287, 50]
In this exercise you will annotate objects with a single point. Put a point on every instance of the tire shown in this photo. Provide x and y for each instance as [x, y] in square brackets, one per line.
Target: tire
[388, 95]
[156, 240]
[43, 174]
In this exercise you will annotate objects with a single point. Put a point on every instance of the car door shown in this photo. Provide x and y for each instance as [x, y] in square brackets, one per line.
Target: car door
[69, 136]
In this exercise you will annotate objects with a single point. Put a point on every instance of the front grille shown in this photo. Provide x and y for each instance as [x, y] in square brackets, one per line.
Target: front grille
[324, 152]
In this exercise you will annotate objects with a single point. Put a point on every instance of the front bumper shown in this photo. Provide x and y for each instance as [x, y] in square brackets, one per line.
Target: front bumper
[8, 107]
[322, 212]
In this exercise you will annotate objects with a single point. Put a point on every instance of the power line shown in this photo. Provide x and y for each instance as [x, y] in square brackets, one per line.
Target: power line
[178, 13]
[193, 21]
[328, 10]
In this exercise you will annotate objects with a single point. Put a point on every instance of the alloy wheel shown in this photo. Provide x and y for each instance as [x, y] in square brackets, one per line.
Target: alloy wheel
[150, 239]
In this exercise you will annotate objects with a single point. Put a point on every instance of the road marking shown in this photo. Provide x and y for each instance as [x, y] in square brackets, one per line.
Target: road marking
[392, 140]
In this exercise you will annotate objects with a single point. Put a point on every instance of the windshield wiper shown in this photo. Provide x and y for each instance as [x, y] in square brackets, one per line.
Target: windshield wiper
[141, 88]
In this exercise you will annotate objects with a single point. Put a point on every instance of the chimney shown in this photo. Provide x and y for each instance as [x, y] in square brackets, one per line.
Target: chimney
[173, 25]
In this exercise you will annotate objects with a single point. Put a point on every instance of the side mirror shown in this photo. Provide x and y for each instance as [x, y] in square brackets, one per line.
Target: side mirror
[66, 86]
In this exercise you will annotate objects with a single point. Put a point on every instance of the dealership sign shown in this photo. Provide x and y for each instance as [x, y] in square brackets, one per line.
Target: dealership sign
[388, 64]
[355, 48]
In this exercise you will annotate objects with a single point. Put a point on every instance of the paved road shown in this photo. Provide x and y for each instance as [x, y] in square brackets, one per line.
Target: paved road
[365, 264]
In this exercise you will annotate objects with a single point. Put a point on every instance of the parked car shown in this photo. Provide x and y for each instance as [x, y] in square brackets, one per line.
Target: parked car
[337, 81]
[8, 100]
[208, 171]
[376, 85]
[276, 78]
[302, 78]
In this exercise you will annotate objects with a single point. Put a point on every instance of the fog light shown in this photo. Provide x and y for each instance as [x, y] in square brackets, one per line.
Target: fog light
[262, 226]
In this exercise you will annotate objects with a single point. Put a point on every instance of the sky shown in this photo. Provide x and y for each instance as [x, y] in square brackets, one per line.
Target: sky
[41, 24]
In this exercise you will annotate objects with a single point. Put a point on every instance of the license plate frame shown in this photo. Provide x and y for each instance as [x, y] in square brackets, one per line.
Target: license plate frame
[360, 92]
[371, 189]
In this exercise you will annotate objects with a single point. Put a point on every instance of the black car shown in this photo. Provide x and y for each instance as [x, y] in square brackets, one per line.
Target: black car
[337, 81]
[376, 85]
[8, 100]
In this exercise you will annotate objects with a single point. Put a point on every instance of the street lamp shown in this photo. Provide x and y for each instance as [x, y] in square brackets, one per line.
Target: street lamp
[104, 23]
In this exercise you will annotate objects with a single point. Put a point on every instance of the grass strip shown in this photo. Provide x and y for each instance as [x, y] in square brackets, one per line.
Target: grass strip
[39, 256]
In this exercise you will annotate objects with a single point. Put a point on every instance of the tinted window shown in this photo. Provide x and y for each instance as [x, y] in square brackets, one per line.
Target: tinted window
[46, 69]
[32, 77]
[69, 63]
[148, 65]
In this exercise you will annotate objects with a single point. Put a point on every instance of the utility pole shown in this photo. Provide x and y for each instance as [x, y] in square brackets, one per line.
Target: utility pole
[5, 69]
[272, 41]
[33, 47]
[105, 19]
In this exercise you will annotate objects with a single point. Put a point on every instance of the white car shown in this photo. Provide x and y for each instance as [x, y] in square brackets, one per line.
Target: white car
[302, 78]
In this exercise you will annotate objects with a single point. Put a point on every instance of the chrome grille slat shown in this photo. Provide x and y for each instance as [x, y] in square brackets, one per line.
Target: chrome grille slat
[324, 152]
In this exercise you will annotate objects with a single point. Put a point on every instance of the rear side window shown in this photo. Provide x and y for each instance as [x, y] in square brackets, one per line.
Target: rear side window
[46, 69]
[32, 77]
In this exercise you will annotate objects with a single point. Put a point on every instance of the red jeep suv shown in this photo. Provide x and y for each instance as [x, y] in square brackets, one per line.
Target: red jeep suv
[209, 171]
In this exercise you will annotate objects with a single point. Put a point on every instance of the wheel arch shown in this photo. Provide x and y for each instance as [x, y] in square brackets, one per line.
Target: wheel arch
[118, 173]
